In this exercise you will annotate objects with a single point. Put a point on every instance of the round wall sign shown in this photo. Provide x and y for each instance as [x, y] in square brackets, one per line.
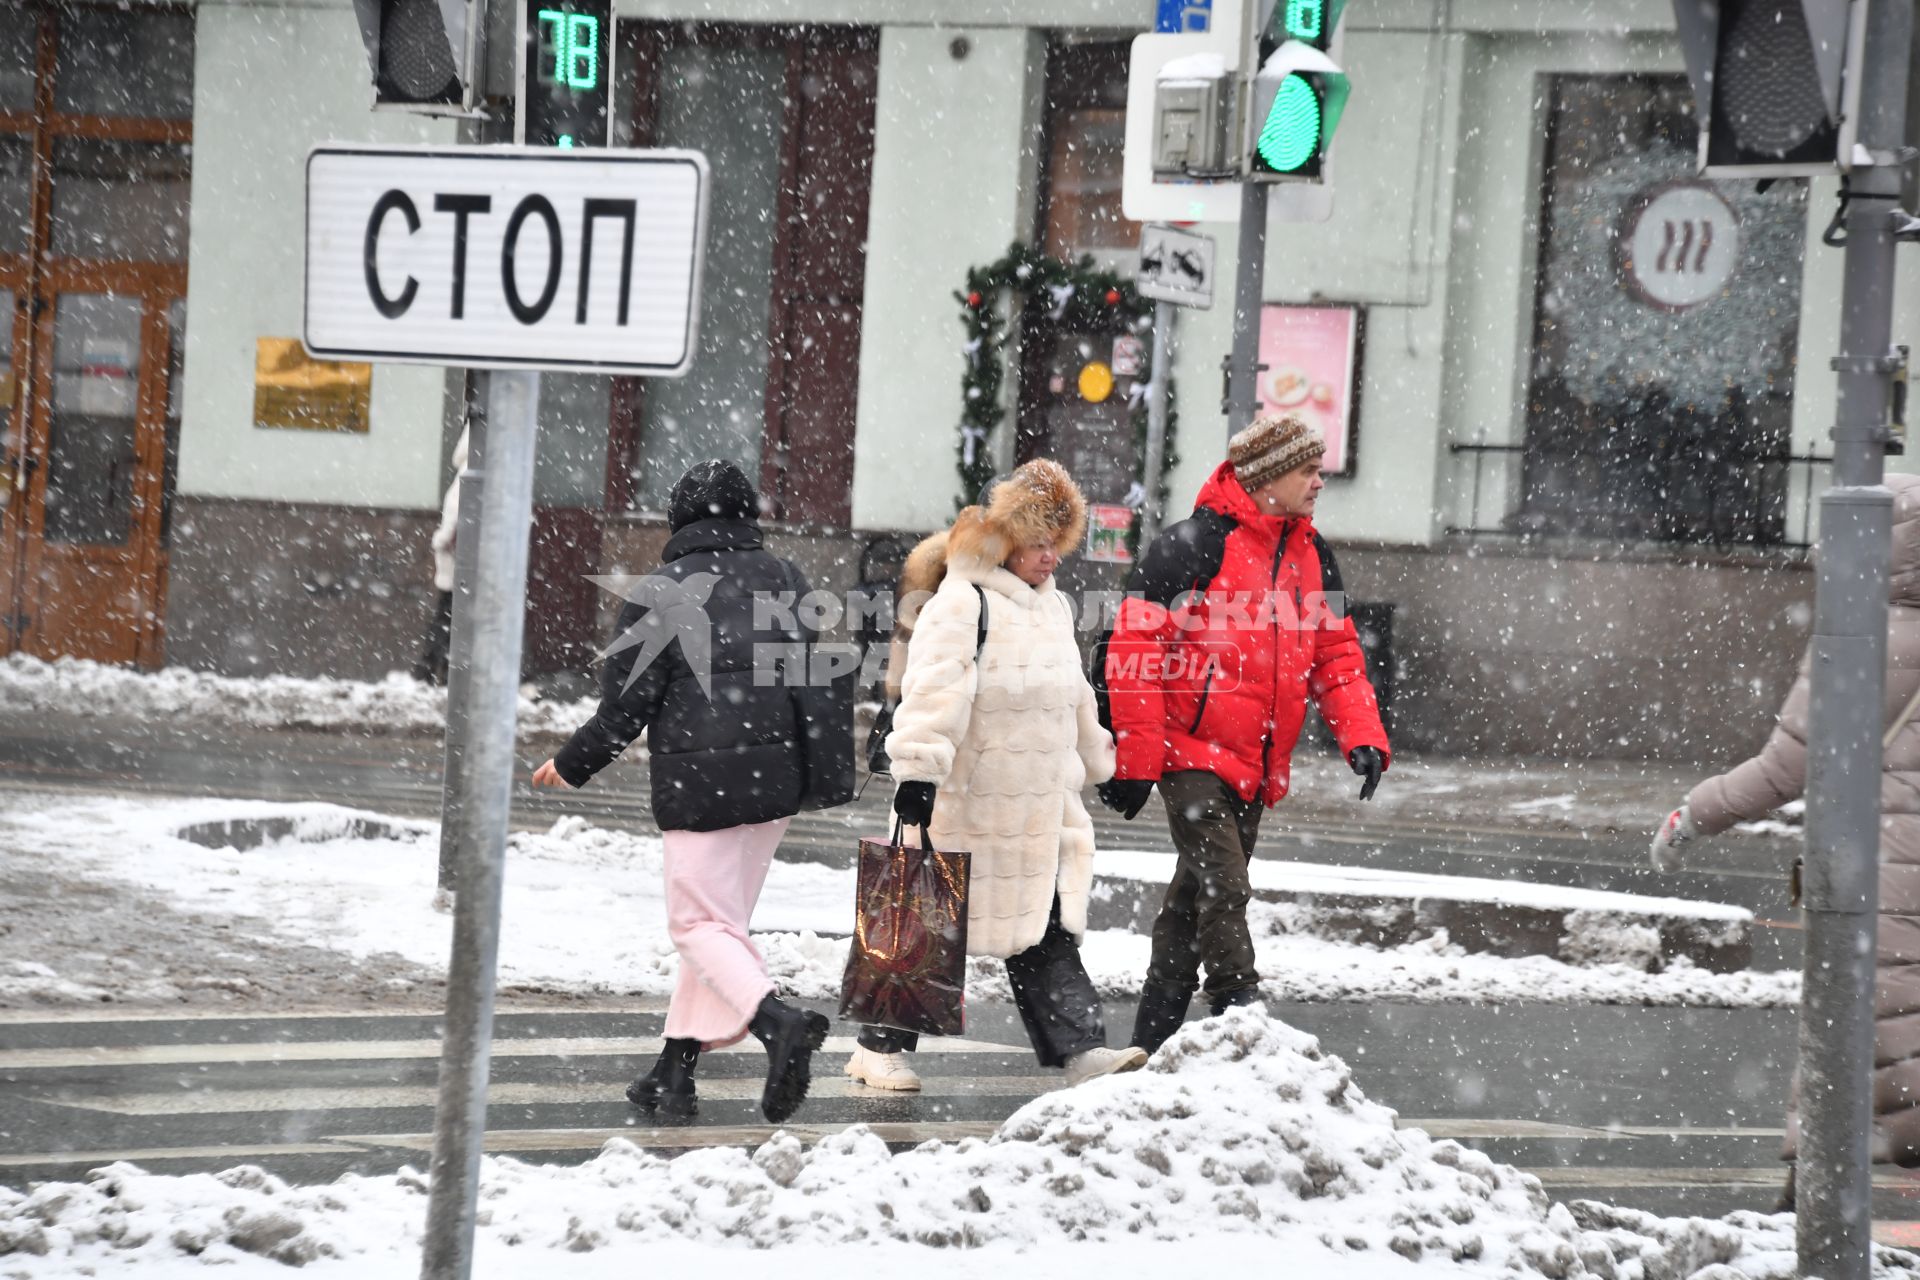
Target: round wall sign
[1096, 381]
[1680, 245]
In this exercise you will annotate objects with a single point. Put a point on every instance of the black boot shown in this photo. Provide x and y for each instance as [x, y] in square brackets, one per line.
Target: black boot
[668, 1088]
[790, 1035]
[1786, 1204]
[1162, 1010]
[1234, 999]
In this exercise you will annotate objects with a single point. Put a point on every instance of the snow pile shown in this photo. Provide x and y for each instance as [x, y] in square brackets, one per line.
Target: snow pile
[396, 704]
[1240, 1127]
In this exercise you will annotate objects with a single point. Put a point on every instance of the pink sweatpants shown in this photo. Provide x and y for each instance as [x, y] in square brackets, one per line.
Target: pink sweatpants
[713, 881]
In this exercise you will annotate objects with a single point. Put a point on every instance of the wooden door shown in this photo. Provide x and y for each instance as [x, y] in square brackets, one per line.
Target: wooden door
[96, 131]
[90, 515]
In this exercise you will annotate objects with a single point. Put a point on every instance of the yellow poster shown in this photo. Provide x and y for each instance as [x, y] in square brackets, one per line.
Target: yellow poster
[293, 391]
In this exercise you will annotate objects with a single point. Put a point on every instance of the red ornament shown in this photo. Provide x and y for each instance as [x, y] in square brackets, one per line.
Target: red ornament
[974, 299]
[1113, 297]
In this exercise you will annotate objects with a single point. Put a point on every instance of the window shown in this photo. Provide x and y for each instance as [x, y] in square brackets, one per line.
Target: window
[1086, 133]
[1665, 329]
[785, 117]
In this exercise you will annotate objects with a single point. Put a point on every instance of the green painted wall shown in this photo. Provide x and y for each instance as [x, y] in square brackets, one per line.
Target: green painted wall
[269, 83]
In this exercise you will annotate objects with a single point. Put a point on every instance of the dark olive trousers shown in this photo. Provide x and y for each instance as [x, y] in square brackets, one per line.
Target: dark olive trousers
[1203, 919]
[1056, 999]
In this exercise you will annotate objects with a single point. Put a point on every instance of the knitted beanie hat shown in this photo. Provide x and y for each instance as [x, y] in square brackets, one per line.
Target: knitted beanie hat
[708, 491]
[1272, 446]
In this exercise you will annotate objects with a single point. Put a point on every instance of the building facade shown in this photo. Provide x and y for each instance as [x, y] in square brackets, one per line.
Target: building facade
[1589, 402]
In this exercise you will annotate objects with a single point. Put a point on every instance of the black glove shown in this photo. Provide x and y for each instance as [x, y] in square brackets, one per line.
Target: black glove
[1369, 764]
[913, 801]
[1125, 796]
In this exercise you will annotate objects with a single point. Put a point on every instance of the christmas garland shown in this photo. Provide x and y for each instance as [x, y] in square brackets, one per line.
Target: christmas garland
[1072, 295]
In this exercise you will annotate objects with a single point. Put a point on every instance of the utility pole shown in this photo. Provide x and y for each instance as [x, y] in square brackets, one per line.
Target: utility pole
[1846, 710]
[1243, 367]
[1159, 389]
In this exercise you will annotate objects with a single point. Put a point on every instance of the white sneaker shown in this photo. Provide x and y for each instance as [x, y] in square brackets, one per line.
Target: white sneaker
[882, 1071]
[1082, 1067]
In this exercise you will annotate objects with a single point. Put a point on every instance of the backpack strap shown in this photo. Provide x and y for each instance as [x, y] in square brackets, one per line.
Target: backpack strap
[980, 635]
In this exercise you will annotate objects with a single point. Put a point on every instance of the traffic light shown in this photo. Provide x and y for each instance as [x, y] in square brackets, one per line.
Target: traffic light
[1766, 78]
[566, 72]
[1296, 94]
[423, 54]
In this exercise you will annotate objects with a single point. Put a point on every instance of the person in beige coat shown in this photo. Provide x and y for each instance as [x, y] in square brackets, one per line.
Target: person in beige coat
[992, 743]
[1778, 774]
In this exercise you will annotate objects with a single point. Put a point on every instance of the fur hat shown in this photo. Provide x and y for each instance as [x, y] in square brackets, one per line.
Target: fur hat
[1039, 502]
[1272, 446]
[714, 490]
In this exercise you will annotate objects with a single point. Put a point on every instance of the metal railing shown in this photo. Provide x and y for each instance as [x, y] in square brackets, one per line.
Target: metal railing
[1736, 499]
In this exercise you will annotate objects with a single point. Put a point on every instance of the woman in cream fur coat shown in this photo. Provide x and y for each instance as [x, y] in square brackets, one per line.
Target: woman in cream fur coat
[991, 745]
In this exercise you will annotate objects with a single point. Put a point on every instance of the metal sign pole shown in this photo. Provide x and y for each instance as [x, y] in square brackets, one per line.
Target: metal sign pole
[1249, 292]
[1834, 1191]
[460, 1113]
[466, 551]
[1158, 389]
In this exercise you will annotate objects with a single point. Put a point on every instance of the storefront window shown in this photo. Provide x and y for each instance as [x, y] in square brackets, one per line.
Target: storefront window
[125, 62]
[1086, 141]
[570, 466]
[121, 201]
[726, 101]
[1666, 328]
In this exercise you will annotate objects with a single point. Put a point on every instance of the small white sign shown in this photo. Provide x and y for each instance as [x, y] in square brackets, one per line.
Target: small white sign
[1680, 245]
[1175, 266]
[505, 257]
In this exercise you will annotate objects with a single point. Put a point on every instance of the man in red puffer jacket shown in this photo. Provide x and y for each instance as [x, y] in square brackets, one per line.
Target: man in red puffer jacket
[1233, 618]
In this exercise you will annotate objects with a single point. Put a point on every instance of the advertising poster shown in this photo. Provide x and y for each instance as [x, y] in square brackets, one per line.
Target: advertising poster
[1107, 529]
[1312, 359]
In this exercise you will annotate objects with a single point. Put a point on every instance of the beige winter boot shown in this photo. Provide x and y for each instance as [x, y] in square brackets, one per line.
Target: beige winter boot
[1082, 1067]
[887, 1071]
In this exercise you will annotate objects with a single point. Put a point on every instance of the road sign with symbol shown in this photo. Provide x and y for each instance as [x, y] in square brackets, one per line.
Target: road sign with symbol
[1175, 266]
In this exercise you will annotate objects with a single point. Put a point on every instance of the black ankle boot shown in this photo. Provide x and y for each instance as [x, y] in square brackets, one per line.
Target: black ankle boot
[1162, 1010]
[790, 1035]
[1785, 1203]
[1234, 999]
[668, 1088]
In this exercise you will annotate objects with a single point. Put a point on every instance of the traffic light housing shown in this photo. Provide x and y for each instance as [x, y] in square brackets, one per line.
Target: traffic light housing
[1296, 93]
[423, 54]
[566, 73]
[1191, 99]
[1767, 83]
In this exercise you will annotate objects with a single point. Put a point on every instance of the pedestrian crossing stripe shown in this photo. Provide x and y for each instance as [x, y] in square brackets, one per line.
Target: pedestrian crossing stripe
[152, 1055]
[181, 1102]
[506, 1009]
[520, 1141]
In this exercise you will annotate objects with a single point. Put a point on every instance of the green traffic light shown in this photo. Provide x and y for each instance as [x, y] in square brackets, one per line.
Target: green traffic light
[1305, 19]
[1291, 135]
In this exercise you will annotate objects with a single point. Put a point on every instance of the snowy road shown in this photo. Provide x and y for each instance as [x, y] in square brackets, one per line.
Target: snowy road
[1649, 1108]
[1448, 833]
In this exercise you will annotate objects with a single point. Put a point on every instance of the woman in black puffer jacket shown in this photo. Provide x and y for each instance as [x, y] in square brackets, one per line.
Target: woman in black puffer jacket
[728, 770]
